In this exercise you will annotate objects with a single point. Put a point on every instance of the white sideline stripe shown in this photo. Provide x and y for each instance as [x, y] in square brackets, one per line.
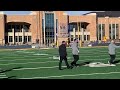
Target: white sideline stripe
[51, 61]
[2, 75]
[72, 75]
[49, 58]
[55, 61]
[28, 62]
[37, 68]
[40, 68]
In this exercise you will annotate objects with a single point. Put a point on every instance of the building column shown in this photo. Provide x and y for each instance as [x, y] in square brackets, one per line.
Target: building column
[101, 31]
[82, 34]
[74, 33]
[44, 28]
[8, 38]
[55, 28]
[13, 35]
[22, 35]
[86, 35]
[115, 30]
[111, 31]
[18, 38]
[98, 32]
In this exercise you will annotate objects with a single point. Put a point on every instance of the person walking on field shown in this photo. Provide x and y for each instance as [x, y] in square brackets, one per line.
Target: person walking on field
[75, 52]
[63, 55]
[111, 50]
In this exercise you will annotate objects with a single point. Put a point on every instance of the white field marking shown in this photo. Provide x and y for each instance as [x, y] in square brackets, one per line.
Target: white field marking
[37, 68]
[2, 75]
[40, 54]
[41, 58]
[50, 57]
[57, 61]
[72, 75]
[46, 57]
[25, 52]
[40, 68]
[29, 63]
[50, 61]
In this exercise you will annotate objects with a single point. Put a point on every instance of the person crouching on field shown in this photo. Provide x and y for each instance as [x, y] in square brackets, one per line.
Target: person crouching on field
[111, 52]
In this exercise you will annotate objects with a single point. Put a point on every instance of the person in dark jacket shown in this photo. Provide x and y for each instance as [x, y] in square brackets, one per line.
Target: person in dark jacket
[63, 55]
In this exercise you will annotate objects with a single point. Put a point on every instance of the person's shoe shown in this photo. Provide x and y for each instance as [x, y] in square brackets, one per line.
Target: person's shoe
[71, 67]
[112, 65]
[72, 64]
[60, 69]
[76, 65]
[109, 62]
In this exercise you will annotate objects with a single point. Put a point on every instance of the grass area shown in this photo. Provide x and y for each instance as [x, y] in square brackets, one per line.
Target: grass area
[44, 66]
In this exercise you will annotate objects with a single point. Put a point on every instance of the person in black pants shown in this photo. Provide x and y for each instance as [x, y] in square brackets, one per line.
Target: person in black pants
[63, 55]
[75, 52]
[112, 48]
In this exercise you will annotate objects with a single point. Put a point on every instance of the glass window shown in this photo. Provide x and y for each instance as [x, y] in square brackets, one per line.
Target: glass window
[42, 24]
[9, 28]
[10, 38]
[113, 25]
[117, 31]
[101, 31]
[84, 37]
[88, 37]
[29, 38]
[20, 38]
[25, 39]
[56, 25]
[26, 28]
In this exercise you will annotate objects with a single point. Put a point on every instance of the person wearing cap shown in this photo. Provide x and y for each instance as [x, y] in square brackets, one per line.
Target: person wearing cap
[75, 52]
[111, 51]
[63, 55]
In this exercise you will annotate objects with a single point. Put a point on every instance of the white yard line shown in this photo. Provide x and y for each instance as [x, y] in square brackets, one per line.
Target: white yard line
[54, 61]
[37, 68]
[40, 68]
[2, 59]
[72, 75]
[2, 75]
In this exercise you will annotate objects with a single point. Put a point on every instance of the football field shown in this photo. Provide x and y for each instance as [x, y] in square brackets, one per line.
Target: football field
[39, 64]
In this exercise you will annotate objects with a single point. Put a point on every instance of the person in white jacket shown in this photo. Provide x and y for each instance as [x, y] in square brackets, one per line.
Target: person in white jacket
[75, 52]
[111, 51]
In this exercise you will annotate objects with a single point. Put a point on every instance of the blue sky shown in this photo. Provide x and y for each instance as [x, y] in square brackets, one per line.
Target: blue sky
[27, 12]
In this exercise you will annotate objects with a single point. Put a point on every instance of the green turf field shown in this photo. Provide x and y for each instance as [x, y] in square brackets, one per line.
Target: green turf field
[35, 66]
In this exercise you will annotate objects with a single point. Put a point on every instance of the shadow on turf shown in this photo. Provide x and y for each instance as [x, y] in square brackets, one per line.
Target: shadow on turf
[11, 77]
[84, 63]
[81, 64]
[3, 71]
[117, 61]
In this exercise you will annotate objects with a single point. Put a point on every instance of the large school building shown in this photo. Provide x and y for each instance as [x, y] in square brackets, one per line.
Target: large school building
[48, 27]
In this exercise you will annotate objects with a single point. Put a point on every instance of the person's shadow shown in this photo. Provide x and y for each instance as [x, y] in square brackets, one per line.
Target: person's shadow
[10, 77]
[3, 71]
[84, 63]
[117, 61]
